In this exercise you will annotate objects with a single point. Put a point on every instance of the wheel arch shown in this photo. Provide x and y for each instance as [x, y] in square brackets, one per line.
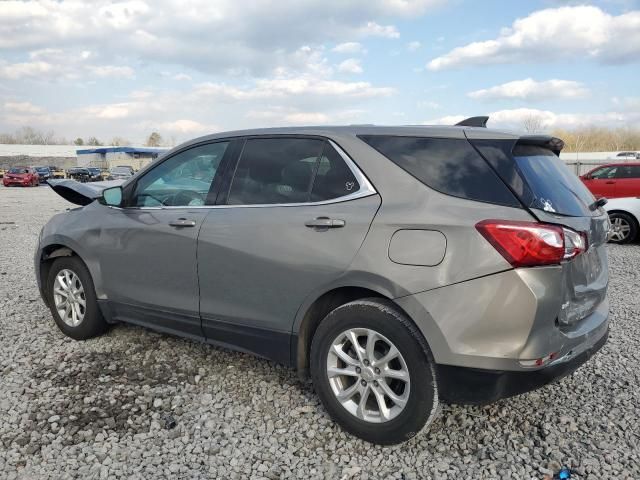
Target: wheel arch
[320, 308]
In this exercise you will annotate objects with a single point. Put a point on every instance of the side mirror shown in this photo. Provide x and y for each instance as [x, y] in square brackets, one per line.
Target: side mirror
[112, 197]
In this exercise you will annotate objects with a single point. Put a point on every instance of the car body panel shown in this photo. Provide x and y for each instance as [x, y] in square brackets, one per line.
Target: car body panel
[614, 187]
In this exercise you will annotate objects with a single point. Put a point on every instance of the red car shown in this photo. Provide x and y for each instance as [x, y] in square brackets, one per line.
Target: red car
[614, 180]
[25, 176]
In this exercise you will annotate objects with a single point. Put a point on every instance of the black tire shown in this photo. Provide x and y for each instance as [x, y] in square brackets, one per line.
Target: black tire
[93, 323]
[624, 219]
[385, 318]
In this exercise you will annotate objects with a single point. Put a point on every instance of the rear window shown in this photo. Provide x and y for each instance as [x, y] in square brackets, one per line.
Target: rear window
[555, 188]
[17, 170]
[448, 165]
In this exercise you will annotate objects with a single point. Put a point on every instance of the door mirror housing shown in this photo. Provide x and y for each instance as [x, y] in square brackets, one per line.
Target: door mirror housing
[112, 197]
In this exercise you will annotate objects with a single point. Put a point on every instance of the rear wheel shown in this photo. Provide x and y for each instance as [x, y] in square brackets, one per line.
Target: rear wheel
[72, 299]
[374, 372]
[624, 228]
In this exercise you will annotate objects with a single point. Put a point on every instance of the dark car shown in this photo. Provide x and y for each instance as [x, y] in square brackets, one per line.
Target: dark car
[95, 174]
[80, 174]
[44, 173]
[24, 176]
[121, 172]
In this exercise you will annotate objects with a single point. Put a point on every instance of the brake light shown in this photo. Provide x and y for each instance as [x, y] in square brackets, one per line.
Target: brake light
[531, 244]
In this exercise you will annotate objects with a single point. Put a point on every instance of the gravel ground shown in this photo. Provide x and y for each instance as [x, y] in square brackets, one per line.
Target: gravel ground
[138, 404]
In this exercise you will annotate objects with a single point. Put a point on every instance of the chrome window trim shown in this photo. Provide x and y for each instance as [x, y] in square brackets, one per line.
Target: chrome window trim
[366, 189]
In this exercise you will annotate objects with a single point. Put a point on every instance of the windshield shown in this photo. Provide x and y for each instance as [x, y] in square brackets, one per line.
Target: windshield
[556, 189]
[94, 170]
[17, 170]
[42, 169]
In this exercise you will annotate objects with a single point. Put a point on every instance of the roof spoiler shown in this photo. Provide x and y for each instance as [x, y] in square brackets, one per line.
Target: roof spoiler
[474, 122]
[546, 141]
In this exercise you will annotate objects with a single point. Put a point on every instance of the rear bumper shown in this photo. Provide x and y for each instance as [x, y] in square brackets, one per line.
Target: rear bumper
[475, 386]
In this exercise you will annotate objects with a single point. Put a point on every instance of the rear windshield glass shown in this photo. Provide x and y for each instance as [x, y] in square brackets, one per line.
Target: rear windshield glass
[19, 170]
[555, 188]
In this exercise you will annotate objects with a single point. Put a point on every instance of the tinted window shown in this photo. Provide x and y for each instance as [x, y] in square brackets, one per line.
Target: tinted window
[554, 186]
[605, 172]
[275, 170]
[182, 180]
[451, 166]
[628, 171]
[333, 178]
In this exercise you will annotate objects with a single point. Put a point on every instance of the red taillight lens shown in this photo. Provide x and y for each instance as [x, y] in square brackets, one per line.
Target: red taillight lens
[531, 244]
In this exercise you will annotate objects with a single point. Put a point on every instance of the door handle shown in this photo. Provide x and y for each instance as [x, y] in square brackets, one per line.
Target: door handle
[325, 222]
[182, 222]
[610, 183]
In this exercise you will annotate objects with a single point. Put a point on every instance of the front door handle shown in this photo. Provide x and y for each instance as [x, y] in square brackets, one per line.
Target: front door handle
[325, 222]
[182, 222]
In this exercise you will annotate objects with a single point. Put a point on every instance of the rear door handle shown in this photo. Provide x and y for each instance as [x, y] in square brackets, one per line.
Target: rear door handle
[182, 222]
[325, 222]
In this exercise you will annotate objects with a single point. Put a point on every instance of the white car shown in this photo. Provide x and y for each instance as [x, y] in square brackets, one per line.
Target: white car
[624, 214]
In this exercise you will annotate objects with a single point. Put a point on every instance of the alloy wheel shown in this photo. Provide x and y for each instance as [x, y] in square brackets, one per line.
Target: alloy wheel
[368, 375]
[620, 229]
[69, 297]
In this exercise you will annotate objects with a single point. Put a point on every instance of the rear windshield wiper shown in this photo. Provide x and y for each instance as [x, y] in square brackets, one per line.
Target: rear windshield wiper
[601, 202]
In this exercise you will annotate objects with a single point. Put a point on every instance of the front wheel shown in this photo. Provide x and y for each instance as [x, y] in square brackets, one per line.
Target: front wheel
[72, 299]
[374, 372]
[623, 228]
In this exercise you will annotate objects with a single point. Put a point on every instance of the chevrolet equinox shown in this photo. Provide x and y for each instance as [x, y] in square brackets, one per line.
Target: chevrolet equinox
[399, 266]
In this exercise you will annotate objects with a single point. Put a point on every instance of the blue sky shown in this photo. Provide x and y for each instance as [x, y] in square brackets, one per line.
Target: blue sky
[125, 68]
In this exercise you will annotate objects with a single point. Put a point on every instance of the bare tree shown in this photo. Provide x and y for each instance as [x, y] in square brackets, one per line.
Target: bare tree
[94, 142]
[120, 142]
[154, 140]
[532, 123]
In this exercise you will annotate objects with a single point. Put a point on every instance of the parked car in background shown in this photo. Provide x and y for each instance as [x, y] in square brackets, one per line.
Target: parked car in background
[56, 172]
[614, 180]
[121, 172]
[95, 174]
[24, 176]
[80, 174]
[44, 173]
[624, 214]
[399, 265]
[2, 172]
[627, 155]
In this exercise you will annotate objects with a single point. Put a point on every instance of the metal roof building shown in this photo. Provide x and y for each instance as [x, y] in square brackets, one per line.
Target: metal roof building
[107, 157]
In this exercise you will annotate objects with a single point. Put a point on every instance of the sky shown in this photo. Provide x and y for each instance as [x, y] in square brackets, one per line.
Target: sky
[187, 68]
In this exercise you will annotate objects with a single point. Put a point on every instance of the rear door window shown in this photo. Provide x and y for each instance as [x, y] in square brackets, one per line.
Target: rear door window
[628, 171]
[275, 171]
[448, 165]
[555, 188]
[333, 178]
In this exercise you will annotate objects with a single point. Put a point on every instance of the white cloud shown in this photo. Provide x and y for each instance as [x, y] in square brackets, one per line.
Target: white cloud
[181, 76]
[112, 71]
[376, 30]
[554, 34]
[211, 36]
[185, 126]
[514, 118]
[22, 108]
[532, 91]
[18, 71]
[349, 48]
[350, 65]
[413, 46]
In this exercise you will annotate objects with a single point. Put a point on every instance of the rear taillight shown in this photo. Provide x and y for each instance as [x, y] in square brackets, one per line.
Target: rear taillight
[531, 244]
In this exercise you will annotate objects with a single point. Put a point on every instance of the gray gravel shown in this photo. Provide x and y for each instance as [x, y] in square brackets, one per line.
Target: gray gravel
[138, 404]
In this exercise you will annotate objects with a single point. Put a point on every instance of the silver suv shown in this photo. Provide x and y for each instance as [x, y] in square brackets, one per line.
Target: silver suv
[400, 266]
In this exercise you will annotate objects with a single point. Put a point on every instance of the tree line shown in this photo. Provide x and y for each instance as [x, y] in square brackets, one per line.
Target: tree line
[32, 136]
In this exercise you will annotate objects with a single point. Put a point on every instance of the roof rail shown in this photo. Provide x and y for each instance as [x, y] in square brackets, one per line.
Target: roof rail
[473, 122]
